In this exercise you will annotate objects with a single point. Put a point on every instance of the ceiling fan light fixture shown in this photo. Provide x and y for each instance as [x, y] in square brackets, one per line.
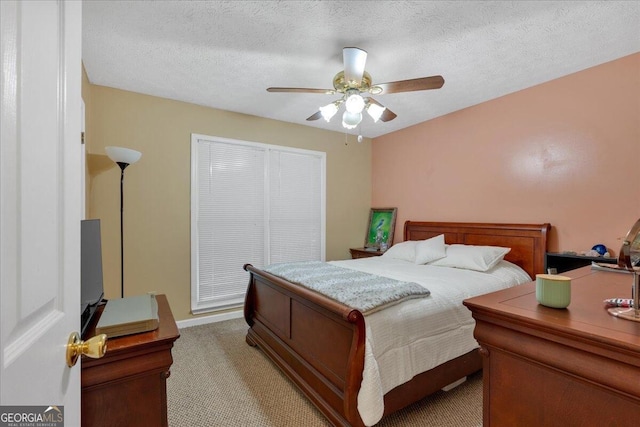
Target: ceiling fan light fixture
[351, 120]
[352, 83]
[328, 111]
[355, 102]
[375, 111]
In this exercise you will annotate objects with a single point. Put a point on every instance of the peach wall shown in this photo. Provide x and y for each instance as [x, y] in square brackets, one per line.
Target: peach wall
[565, 152]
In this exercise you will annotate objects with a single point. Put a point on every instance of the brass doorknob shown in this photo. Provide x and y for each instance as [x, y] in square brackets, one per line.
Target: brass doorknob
[93, 347]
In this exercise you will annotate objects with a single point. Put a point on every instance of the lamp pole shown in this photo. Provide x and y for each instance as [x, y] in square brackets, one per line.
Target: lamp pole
[123, 157]
[122, 165]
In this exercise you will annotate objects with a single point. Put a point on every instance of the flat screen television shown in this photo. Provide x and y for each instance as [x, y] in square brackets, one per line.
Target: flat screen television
[91, 286]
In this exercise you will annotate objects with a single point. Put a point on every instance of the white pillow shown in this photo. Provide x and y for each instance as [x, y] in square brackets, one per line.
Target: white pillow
[403, 250]
[430, 250]
[469, 257]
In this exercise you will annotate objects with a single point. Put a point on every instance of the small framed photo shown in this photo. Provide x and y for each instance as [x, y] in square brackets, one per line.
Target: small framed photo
[381, 227]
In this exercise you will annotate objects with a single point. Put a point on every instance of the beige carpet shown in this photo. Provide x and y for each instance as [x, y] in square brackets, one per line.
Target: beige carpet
[218, 380]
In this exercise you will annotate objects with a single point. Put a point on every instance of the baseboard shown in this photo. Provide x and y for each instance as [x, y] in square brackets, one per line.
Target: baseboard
[236, 314]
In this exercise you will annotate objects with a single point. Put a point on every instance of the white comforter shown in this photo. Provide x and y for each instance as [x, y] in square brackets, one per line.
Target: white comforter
[420, 334]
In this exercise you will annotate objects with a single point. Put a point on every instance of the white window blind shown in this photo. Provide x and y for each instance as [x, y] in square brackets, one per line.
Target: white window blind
[251, 203]
[295, 207]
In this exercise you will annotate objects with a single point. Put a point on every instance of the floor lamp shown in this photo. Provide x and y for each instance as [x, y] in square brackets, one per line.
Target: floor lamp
[123, 157]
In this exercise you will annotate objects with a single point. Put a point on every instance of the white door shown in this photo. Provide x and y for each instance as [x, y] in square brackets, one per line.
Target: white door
[40, 176]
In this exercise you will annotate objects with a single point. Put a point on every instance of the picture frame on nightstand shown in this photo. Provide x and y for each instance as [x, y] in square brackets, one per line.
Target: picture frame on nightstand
[380, 228]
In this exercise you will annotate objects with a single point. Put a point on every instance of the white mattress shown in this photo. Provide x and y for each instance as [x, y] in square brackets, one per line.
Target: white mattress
[420, 334]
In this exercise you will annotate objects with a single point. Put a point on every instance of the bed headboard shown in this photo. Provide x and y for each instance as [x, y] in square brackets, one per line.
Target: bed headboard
[528, 242]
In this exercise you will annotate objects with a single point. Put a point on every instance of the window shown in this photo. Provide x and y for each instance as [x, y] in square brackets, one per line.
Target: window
[250, 203]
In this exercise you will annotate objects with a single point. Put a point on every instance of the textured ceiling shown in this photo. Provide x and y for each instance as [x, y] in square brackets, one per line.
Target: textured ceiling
[224, 54]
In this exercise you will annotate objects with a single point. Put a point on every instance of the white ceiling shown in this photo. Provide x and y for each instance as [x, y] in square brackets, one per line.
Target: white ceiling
[224, 54]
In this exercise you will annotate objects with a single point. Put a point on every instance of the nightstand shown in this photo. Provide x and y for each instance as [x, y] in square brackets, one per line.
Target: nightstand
[363, 253]
[564, 262]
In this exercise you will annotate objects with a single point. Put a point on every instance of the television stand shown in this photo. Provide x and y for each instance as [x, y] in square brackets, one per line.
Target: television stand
[127, 387]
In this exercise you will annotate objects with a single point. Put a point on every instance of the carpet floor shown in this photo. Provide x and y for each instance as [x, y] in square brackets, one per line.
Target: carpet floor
[217, 380]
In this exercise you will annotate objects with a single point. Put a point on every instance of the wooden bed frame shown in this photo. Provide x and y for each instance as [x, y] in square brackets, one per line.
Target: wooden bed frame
[319, 343]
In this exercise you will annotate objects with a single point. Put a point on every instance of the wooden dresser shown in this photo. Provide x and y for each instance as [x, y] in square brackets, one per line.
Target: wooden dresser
[127, 387]
[578, 366]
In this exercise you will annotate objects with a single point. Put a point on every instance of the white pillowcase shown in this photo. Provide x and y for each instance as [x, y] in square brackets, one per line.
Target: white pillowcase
[418, 251]
[403, 250]
[470, 257]
[430, 250]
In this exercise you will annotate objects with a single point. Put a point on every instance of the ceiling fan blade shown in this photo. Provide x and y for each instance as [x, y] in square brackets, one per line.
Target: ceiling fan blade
[316, 116]
[354, 61]
[301, 90]
[387, 115]
[423, 83]
[327, 111]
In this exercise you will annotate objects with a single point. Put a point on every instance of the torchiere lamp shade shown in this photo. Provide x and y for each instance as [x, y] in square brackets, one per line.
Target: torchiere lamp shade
[123, 155]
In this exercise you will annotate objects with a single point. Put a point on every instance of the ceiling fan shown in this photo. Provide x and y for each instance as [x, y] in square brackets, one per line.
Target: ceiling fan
[352, 83]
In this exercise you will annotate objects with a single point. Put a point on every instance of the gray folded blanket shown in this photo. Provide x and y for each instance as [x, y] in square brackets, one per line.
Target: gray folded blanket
[362, 291]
